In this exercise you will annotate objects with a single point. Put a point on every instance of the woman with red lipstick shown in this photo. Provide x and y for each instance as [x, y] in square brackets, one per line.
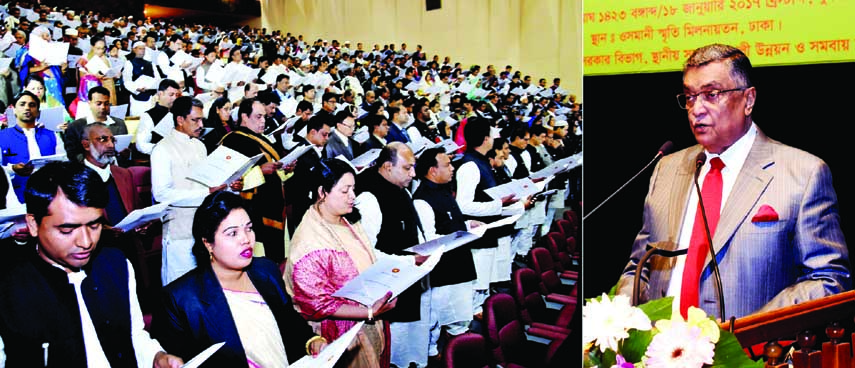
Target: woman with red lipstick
[330, 248]
[231, 297]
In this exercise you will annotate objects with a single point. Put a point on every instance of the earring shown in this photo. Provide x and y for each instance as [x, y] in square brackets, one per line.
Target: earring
[211, 256]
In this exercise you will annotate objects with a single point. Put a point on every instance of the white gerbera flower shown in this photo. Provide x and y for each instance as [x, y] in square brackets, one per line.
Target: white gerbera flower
[679, 345]
[605, 323]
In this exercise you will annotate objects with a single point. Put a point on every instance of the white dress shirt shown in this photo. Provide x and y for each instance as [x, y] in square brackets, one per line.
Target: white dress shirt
[145, 347]
[372, 219]
[733, 159]
[144, 130]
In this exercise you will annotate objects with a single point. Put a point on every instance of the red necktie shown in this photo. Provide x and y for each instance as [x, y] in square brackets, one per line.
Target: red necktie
[698, 246]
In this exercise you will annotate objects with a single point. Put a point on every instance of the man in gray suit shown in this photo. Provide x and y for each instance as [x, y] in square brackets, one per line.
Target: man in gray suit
[776, 235]
[341, 141]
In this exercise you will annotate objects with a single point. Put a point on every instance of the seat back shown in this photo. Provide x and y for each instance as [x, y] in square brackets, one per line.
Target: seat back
[566, 227]
[544, 266]
[142, 184]
[468, 350]
[500, 310]
[526, 293]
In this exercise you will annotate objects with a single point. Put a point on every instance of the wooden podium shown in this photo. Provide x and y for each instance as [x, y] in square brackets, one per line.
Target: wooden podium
[825, 321]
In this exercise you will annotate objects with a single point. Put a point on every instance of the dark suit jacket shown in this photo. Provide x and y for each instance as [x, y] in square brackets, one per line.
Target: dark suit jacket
[396, 134]
[194, 315]
[74, 133]
[372, 143]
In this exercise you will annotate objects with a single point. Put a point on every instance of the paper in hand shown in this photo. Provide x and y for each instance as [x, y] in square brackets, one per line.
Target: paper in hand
[331, 353]
[203, 356]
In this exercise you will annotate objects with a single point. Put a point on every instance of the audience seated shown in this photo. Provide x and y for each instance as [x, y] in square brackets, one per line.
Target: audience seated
[474, 129]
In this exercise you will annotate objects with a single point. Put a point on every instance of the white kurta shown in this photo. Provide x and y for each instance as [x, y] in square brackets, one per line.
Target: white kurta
[171, 160]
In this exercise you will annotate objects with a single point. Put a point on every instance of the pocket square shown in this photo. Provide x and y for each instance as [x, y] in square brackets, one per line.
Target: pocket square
[765, 214]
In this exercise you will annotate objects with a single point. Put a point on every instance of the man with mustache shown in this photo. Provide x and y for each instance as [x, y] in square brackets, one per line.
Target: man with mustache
[172, 159]
[99, 104]
[99, 146]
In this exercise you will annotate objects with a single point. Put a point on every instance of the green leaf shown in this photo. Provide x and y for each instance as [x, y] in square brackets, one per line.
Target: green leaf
[729, 353]
[658, 309]
[635, 346]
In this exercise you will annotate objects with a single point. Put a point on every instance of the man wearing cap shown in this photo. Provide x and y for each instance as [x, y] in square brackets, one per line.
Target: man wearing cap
[142, 95]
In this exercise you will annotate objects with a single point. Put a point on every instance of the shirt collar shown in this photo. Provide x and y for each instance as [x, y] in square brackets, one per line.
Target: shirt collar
[343, 137]
[735, 155]
[104, 173]
[382, 140]
[91, 119]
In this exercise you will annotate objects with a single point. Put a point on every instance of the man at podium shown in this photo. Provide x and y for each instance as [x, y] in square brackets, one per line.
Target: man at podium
[771, 209]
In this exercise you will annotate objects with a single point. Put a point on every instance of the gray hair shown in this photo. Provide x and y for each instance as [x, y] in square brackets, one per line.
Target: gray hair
[740, 66]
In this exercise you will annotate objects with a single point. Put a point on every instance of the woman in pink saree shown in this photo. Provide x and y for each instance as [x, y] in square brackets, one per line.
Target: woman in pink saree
[327, 251]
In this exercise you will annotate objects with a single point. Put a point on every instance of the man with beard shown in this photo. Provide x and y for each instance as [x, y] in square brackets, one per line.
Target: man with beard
[99, 104]
[99, 147]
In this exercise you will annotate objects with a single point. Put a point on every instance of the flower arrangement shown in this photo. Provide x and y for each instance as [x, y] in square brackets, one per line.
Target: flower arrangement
[616, 334]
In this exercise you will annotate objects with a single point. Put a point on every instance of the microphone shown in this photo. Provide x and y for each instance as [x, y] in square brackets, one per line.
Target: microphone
[666, 148]
[699, 162]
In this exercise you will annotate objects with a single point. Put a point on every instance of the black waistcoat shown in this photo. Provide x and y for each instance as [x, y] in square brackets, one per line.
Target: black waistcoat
[142, 67]
[157, 113]
[520, 171]
[38, 308]
[455, 266]
[399, 230]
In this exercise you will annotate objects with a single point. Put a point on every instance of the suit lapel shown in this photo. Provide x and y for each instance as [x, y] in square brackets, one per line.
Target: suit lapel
[752, 181]
[125, 185]
[683, 185]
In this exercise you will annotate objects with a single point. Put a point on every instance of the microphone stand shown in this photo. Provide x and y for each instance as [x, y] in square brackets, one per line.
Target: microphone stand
[651, 251]
[710, 244]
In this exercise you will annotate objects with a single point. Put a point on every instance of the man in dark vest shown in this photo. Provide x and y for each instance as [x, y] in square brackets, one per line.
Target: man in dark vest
[474, 176]
[392, 225]
[439, 214]
[142, 94]
[522, 158]
[167, 91]
[267, 201]
[70, 303]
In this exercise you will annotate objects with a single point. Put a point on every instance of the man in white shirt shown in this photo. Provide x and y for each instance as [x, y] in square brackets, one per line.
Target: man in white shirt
[171, 161]
[75, 303]
[146, 136]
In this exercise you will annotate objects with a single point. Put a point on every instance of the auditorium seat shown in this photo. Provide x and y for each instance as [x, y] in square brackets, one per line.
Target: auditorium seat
[541, 262]
[507, 339]
[468, 350]
[532, 307]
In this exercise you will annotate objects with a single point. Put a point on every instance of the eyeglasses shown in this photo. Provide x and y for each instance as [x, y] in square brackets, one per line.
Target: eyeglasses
[105, 139]
[686, 101]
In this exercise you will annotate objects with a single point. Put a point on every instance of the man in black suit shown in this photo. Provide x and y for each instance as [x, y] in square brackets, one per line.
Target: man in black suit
[68, 302]
[298, 189]
[99, 103]
[378, 126]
